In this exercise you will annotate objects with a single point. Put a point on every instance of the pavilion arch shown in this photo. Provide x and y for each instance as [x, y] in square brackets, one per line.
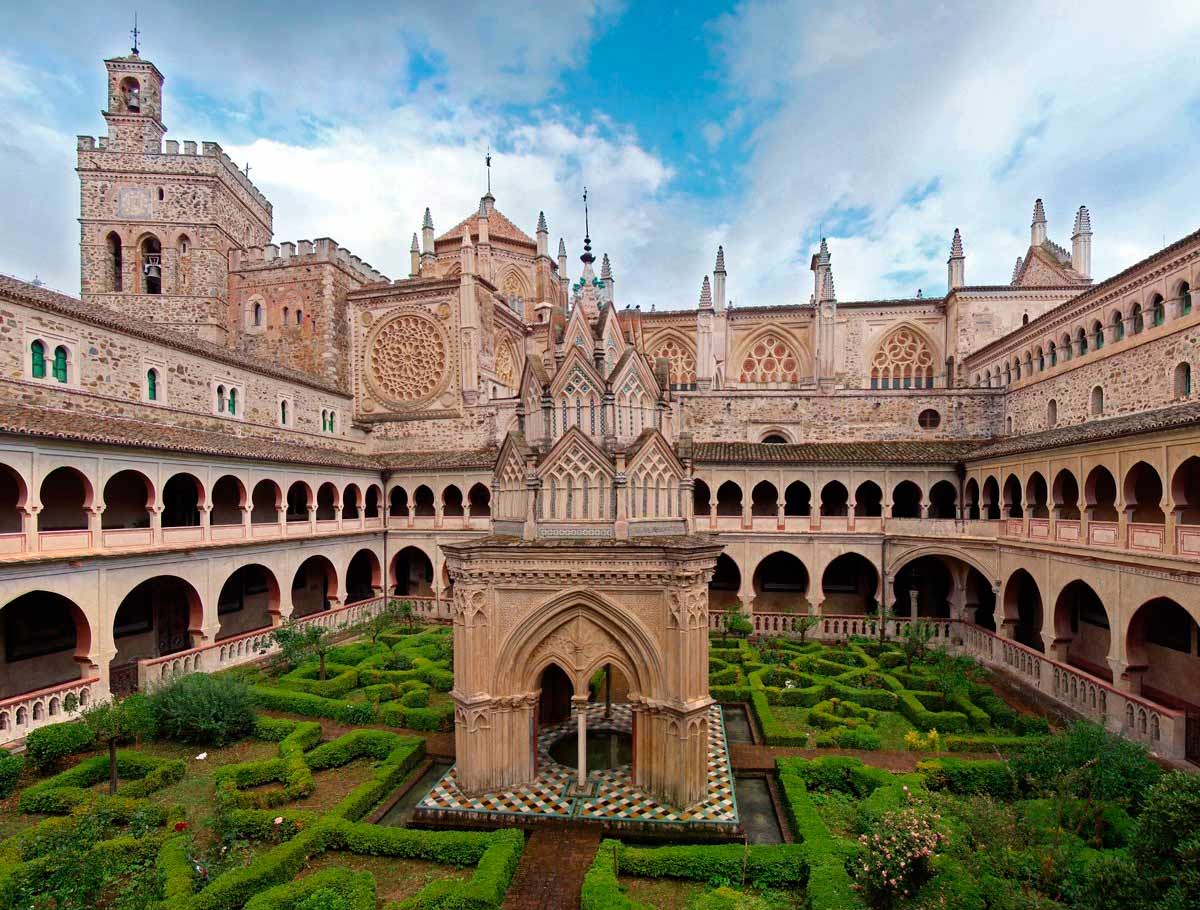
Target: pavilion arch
[156, 617]
[1162, 651]
[422, 502]
[1037, 496]
[1012, 497]
[1100, 495]
[452, 501]
[1023, 609]
[1143, 489]
[764, 499]
[729, 499]
[1185, 492]
[479, 500]
[701, 499]
[412, 572]
[228, 500]
[265, 502]
[1064, 494]
[372, 501]
[868, 500]
[939, 574]
[249, 599]
[183, 497]
[47, 640]
[364, 577]
[835, 499]
[849, 584]
[1082, 628]
[327, 502]
[971, 501]
[14, 500]
[128, 498]
[299, 498]
[906, 500]
[781, 583]
[797, 499]
[314, 586]
[398, 502]
[352, 501]
[943, 500]
[66, 494]
[537, 641]
[725, 583]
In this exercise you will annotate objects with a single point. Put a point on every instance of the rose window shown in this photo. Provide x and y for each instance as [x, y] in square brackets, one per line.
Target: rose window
[770, 359]
[408, 359]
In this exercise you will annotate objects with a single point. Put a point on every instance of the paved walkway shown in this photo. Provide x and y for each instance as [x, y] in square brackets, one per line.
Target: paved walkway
[553, 864]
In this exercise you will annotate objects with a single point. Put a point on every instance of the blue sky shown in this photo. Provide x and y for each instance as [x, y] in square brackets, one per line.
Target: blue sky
[760, 125]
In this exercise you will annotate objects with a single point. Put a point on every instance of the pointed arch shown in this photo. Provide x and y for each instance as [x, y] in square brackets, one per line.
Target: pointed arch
[771, 357]
[903, 358]
[680, 354]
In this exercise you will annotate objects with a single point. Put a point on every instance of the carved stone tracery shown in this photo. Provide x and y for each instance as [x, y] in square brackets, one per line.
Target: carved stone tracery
[408, 360]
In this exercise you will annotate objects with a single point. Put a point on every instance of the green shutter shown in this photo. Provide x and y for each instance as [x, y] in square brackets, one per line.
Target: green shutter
[233, 401]
[60, 364]
[152, 385]
[37, 352]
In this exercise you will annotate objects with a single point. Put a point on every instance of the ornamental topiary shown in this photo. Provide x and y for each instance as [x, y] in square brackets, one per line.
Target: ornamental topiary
[46, 747]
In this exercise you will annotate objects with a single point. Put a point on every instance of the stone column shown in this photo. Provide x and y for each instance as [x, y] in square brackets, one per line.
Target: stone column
[247, 521]
[29, 526]
[580, 703]
[156, 534]
[94, 514]
[312, 518]
[206, 521]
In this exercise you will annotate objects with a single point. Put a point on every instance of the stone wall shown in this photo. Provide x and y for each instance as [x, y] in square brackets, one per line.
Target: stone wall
[840, 417]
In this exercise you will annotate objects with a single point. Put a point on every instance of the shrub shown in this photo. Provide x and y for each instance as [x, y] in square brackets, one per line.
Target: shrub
[1166, 842]
[895, 859]
[847, 738]
[203, 709]
[991, 778]
[11, 767]
[1089, 762]
[46, 747]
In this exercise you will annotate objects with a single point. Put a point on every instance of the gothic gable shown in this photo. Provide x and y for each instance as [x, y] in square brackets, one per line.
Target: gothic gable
[578, 334]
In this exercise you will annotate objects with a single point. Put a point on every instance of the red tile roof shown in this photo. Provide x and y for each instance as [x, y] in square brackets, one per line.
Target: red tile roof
[902, 452]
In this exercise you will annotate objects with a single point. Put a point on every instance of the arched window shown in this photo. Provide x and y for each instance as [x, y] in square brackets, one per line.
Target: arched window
[1041, 360]
[1081, 344]
[1183, 380]
[220, 399]
[151, 266]
[258, 314]
[1054, 354]
[37, 360]
[283, 413]
[1136, 319]
[1009, 425]
[184, 245]
[1158, 310]
[1052, 413]
[152, 385]
[771, 359]
[903, 360]
[60, 363]
[113, 262]
[286, 312]
[131, 94]
[233, 396]
[162, 194]
[1185, 299]
[1097, 335]
[1097, 401]
[299, 316]
[1118, 324]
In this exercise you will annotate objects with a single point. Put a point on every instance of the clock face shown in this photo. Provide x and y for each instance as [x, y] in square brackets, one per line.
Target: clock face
[134, 202]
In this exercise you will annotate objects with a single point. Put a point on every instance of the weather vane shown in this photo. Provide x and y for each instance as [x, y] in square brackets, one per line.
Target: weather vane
[586, 229]
[487, 160]
[135, 33]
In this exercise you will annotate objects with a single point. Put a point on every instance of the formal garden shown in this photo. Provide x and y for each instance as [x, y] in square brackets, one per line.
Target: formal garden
[262, 788]
[868, 694]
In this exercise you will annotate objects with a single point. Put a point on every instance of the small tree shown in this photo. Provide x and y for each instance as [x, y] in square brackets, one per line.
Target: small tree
[882, 615]
[115, 721]
[406, 611]
[382, 621]
[734, 623]
[804, 623]
[299, 642]
[916, 641]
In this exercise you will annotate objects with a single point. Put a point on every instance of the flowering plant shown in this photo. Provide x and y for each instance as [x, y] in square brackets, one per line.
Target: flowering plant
[894, 861]
[930, 742]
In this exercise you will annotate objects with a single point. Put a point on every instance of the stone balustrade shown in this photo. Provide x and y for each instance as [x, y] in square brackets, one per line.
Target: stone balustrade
[1141, 537]
[22, 713]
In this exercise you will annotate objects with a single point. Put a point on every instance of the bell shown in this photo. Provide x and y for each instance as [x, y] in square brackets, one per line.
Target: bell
[152, 270]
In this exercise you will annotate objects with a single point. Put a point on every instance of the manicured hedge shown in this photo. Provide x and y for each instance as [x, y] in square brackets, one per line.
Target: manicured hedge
[46, 747]
[60, 794]
[11, 766]
[356, 890]
[766, 866]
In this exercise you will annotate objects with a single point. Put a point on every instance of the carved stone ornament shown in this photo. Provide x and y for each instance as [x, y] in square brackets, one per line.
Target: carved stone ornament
[408, 360]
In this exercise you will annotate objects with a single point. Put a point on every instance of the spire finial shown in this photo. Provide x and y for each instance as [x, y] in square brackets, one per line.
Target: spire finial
[135, 33]
[428, 222]
[956, 247]
[605, 268]
[1039, 212]
[720, 268]
[415, 248]
[587, 231]
[562, 248]
[706, 300]
[541, 227]
[487, 161]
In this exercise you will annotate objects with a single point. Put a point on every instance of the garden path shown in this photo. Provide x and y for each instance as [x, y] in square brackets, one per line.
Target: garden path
[553, 864]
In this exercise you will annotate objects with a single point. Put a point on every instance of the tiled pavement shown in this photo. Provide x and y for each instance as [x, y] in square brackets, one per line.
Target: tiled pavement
[613, 796]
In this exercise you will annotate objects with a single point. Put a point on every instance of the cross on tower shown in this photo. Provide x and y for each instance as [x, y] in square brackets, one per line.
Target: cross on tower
[135, 34]
[247, 168]
[487, 160]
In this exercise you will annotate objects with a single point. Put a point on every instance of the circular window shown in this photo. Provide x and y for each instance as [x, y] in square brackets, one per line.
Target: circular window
[929, 419]
[408, 359]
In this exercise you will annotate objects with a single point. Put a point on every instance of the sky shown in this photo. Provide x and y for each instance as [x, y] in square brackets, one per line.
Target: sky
[761, 125]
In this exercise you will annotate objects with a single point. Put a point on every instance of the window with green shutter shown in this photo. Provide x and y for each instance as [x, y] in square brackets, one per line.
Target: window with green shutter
[233, 401]
[37, 355]
[152, 385]
[60, 363]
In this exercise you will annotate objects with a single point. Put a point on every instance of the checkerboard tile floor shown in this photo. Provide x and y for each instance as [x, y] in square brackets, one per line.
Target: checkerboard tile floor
[613, 795]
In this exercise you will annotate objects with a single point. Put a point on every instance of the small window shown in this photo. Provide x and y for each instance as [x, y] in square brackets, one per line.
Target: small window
[1097, 401]
[1138, 320]
[161, 194]
[283, 413]
[220, 399]
[1158, 310]
[258, 314]
[37, 360]
[60, 363]
[774, 439]
[324, 421]
[233, 401]
[333, 421]
[299, 317]
[1118, 324]
[1185, 299]
[1098, 336]
[152, 385]
[1052, 413]
[1024, 319]
[929, 419]
[1009, 424]
[286, 313]
[184, 246]
[1183, 380]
